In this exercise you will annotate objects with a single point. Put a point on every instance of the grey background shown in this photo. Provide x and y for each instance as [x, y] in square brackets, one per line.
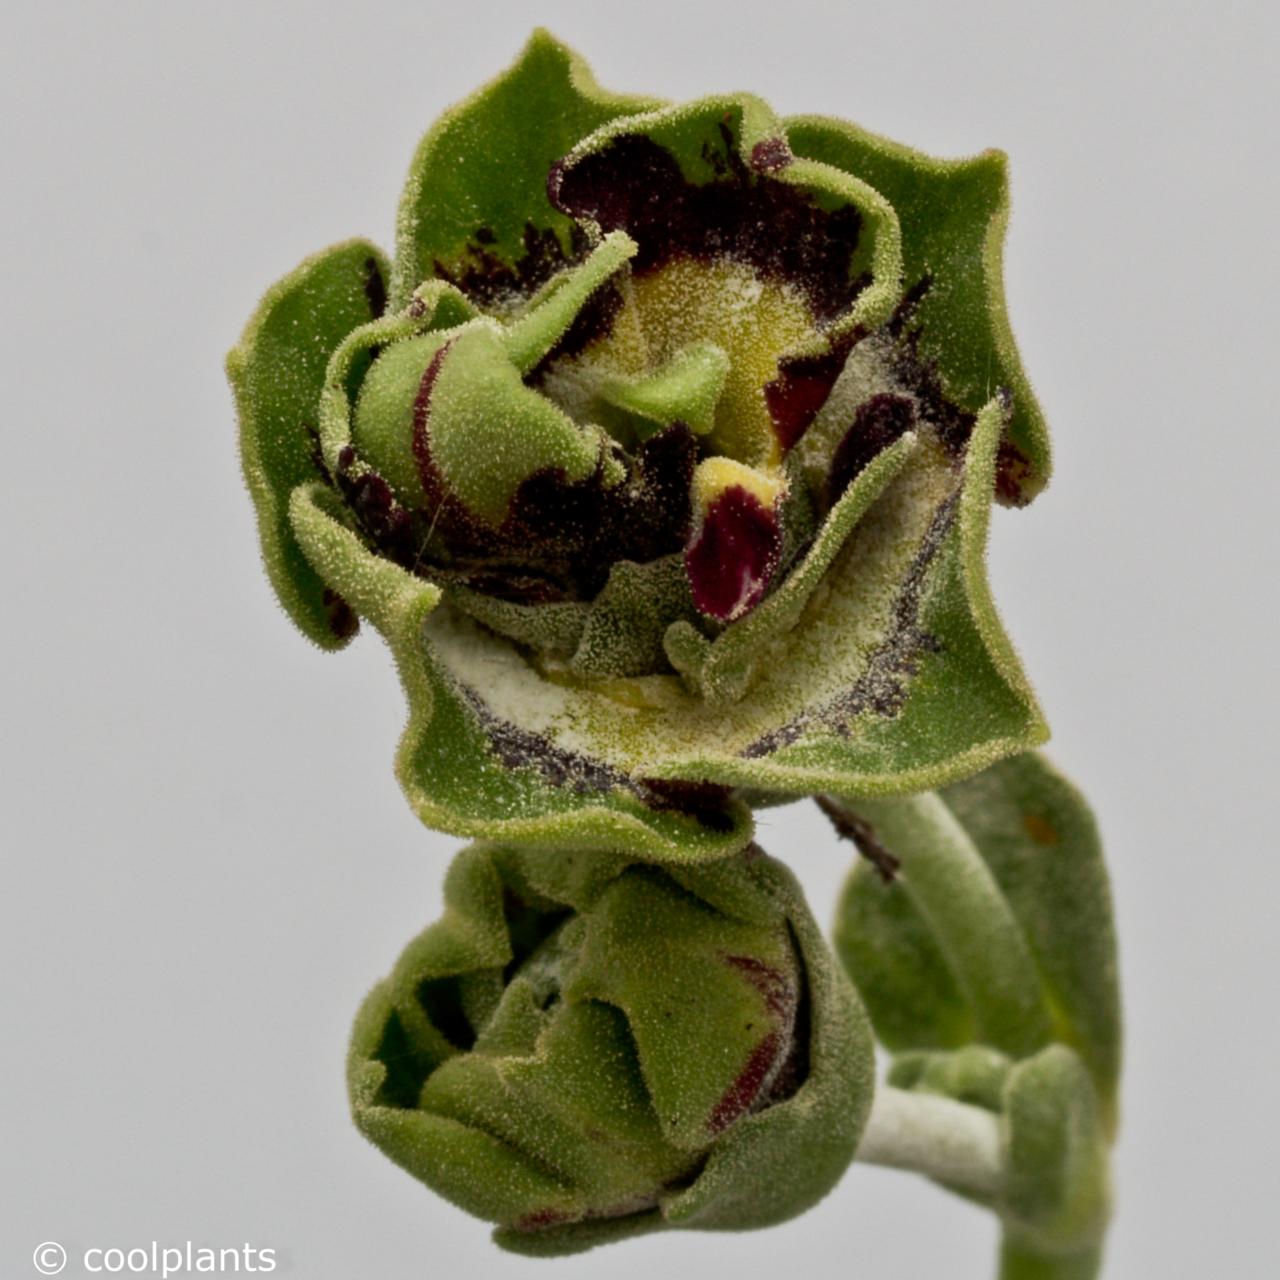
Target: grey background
[207, 860]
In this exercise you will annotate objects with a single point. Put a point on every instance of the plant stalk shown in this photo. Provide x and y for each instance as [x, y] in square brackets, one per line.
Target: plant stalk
[938, 1137]
[1019, 1262]
[953, 889]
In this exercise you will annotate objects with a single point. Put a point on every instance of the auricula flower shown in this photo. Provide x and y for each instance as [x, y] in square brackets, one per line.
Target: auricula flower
[662, 456]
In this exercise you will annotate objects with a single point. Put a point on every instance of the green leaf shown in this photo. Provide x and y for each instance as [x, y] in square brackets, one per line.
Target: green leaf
[1054, 1195]
[277, 371]
[953, 215]
[1002, 885]
[483, 167]
[1057, 1191]
[1039, 838]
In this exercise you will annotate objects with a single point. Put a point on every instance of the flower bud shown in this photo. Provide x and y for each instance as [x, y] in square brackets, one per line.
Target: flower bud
[583, 1049]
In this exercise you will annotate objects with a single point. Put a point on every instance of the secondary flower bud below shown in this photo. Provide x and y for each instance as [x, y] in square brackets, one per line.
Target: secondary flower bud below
[582, 1048]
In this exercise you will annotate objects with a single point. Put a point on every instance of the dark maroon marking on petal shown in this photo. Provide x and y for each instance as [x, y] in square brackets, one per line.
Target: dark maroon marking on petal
[742, 1093]
[919, 375]
[771, 155]
[733, 555]
[519, 748]
[375, 288]
[952, 424]
[635, 185]
[421, 422]
[882, 688]
[369, 498]
[1013, 468]
[706, 801]
[540, 1219]
[489, 281]
[908, 305]
[339, 615]
[317, 452]
[793, 1071]
[777, 989]
[387, 523]
[519, 584]
[589, 527]
[801, 388]
[879, 422]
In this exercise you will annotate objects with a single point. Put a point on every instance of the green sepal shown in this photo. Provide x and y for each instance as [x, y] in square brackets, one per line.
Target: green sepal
[277, 371]
[547, 1108]
[484, 165]
[953, 215]
[998, 929]
[447, 764]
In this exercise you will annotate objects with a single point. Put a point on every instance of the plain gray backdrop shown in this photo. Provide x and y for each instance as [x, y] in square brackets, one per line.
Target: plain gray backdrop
[207, 859]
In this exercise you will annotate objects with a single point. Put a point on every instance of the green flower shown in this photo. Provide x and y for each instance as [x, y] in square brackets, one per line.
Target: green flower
[584, 1048]
[662, 456]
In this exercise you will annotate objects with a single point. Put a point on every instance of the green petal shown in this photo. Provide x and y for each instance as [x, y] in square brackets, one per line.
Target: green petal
[953, 216]
[740, 1186]
[626, 621]
[897, 676]
[483, 167]
[277, 371]
[724, 668]
[560, 1101]
[894, 706]
[658, 955]
[1026, 842]
[489, 432]
[465, 772]
[470, 1167]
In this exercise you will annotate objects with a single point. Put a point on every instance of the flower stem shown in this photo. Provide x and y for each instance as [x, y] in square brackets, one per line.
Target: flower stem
[1018, 1262]
[943, 1139]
